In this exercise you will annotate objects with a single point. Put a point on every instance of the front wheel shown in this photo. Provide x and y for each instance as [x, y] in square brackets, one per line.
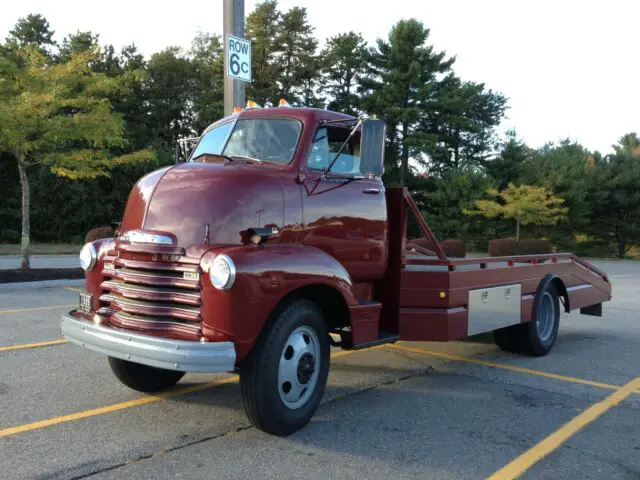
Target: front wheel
[283, 379]
[142, 377]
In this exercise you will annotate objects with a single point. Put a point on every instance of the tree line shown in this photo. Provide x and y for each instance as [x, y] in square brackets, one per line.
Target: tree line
[80, 122]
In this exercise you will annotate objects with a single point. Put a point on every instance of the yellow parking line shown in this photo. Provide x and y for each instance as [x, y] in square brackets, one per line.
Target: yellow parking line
[23, 346]
[129, 404]
[521, 464]
[111, 408]
[73, 289]
[36, 309]
[460, 358]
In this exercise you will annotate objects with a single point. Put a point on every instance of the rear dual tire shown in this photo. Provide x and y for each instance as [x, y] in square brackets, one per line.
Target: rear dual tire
[537, 337]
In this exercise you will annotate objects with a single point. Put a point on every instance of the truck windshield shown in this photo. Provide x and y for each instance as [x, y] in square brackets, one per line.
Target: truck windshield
[263, 139]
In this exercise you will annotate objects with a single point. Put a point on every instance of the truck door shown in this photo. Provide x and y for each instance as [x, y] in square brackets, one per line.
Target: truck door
[344, 215]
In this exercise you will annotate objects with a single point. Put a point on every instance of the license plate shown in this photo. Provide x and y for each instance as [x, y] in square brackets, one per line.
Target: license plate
[85, 302]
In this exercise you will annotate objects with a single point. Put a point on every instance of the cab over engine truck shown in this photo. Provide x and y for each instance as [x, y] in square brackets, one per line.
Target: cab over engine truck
[275, 241]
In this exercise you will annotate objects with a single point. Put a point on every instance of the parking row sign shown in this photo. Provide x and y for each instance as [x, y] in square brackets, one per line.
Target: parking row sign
[238, 58]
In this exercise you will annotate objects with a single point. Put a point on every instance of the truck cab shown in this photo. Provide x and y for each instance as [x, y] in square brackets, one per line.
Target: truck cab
[275, 240]
[278, 213]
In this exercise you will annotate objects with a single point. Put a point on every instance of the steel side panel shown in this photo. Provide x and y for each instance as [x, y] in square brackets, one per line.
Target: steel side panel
[493, 308]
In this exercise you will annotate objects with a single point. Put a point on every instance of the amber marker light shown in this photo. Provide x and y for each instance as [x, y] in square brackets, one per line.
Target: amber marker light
[443, 294]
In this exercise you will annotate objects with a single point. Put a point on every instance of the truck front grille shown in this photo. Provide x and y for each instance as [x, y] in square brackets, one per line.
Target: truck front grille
[156, 293]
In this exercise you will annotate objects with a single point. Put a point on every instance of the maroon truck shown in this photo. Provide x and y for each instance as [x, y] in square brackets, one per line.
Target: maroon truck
[276, 240]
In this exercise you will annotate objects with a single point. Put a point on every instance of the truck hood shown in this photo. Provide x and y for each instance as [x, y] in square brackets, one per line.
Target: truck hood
[185, 198]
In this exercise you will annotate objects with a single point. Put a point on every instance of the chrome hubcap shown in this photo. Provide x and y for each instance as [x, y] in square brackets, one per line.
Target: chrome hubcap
[546, 317]
[299, 367]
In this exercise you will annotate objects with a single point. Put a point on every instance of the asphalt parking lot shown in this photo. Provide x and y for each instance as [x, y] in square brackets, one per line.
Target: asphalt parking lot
[459, 410]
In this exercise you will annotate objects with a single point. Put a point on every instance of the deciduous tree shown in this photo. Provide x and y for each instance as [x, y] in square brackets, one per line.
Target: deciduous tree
[58, 115]
[526, 204]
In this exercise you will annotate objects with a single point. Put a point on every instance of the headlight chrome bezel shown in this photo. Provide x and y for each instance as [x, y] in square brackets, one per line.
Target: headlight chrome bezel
[91, 249]
[231, 276]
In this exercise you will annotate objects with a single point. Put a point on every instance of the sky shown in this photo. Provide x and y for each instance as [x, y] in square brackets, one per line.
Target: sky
[570, 69]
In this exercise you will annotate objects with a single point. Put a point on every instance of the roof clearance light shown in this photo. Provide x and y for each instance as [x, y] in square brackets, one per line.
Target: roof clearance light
[237, 109]
[283, 103]
[252, 104]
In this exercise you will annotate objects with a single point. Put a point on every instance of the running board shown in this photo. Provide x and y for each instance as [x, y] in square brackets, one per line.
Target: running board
[382, 339]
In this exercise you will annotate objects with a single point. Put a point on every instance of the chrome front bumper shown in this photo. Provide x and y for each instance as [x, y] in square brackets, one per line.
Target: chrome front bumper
[158, 352]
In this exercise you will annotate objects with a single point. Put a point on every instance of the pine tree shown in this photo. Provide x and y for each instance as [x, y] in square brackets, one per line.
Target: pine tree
[344, 58]
[34, 31]
[263, 29]
[400, 82]
[297, 55]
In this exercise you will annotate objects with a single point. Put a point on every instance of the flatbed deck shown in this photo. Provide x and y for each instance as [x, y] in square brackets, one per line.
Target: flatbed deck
[441, 299]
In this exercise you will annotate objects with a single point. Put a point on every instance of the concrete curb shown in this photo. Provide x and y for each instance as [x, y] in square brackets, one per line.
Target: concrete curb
[43, 284]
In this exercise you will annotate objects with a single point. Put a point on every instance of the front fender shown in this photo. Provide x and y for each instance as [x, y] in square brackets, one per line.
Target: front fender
[264, 276]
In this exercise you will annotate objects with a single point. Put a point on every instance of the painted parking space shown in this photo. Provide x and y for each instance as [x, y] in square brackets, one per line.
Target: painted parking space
[427, 410]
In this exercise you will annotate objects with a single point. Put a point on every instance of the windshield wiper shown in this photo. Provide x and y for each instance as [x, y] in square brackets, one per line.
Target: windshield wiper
[244, 157]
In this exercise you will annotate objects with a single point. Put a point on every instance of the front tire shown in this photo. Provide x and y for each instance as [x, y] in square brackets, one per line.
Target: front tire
[142, 377]
[283, 379]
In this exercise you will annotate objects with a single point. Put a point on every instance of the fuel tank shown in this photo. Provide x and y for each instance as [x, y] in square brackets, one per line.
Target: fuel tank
[212, 203]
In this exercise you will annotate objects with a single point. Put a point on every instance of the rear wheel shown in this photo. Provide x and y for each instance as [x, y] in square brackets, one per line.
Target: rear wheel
[538, 336]
[509, 339]
[283, 379]
[142, 377]
[542, 331]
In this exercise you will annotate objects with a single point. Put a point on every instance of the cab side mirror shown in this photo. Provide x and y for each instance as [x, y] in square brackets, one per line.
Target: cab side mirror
[372, 138]
[184, 146]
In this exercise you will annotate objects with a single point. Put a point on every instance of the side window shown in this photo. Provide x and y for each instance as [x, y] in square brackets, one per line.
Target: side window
[326, 146]
[319, 155]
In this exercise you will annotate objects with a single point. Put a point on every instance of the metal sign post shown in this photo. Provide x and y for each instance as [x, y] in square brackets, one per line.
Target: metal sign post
[235, 45]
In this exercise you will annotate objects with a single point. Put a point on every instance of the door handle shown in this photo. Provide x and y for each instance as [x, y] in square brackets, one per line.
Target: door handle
[373, 191]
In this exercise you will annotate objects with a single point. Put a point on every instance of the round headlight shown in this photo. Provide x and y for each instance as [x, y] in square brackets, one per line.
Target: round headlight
[88, 257]
[222, 272]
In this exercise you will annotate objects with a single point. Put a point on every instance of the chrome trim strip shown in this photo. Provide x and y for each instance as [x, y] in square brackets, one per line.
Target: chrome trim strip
[138, 236]
[579, 287]
[148, 350]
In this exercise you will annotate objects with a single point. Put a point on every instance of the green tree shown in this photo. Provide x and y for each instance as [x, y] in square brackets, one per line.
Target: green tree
[344, 63]
[526, 204]
[566, 169]
[615, 198]
[445, 197]
[170, 86]
[57, 115]
[309, 89]
[207, 59]
[76, 43]
[463, 117]
[297, 54]
[32, 30]
[263, 27]
[510, 163]
[401, 78]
